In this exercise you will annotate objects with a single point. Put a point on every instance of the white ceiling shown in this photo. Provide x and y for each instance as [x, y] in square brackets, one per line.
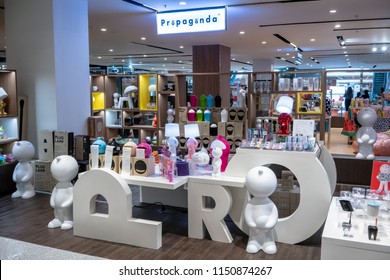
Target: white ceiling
[364, 24]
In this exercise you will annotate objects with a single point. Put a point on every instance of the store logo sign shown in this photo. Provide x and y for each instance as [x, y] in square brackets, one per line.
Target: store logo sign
[187, 21]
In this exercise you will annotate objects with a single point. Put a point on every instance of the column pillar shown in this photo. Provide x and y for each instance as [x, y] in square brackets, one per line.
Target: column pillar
[47, 45]
[212, 59]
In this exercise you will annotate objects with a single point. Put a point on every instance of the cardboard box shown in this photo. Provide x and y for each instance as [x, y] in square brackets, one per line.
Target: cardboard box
[119, 164]
[231, 144]
[204, 128]
[143, 166]
[43, 180]
[182, 114]
[242, 114]
[222, 128]
[63, 143]
[82, 148]
[205, 142]
[95, 126]
[216, 114]
[100, 161]
[238, 129]
[230, 129]
[46, 145]
[232, 114]
[114, 163]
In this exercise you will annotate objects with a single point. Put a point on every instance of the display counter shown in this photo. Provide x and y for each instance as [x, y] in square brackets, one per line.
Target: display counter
[356, 245]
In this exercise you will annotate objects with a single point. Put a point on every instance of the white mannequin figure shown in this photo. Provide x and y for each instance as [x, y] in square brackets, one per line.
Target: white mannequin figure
[383, 178]
[241, 97]
[170, 117]
[366, 135]
[261, 214]
[63, 169]
[23, 151]
[116, 100]
[217, 161]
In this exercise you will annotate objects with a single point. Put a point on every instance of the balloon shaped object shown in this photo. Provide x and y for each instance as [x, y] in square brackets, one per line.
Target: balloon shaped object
[102, 145]
[133, 146]
[147, 147]
[116, 145]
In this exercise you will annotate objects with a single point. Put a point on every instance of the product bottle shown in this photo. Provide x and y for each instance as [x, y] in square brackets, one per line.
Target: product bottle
[207, 115]
[191, 115]
[199, 115]
[224, 115]
[193, 100]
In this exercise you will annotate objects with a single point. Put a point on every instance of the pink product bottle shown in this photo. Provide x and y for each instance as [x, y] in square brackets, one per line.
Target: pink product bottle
[193, 100]
[191, 115]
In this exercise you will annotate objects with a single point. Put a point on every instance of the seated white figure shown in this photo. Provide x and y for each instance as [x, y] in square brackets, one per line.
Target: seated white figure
[64, 169]
[127, 97]
[23, 151]
[261, 214]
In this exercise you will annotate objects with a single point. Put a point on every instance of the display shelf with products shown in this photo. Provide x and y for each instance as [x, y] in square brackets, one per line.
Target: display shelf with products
[9, 127]
[309, 103]
[148, 92]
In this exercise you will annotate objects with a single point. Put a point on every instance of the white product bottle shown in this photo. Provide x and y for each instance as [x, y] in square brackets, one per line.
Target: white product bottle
[224, 115]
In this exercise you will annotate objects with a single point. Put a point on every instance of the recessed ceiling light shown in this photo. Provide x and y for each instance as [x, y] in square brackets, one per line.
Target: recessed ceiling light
[111, 50]
[181, 47]
[182, 3]
[384, 48]
[99, 57]
[279, 50]
[332, 11]
[345, 52]
[242, 32]
[233, 59]
[143, 38]
[346, 55]
[180, 61]
[264, 42]
[123, 60]
[165, 58]
[374, 49]
[344, 47]
[103, 29]
[347, 59]
[337, 26]
[287, 54]
[140, 62]
[312, 40]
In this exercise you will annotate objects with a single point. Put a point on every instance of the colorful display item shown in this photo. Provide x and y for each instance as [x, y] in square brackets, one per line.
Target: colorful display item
[147, 147]
[284, 121]
[102, 145]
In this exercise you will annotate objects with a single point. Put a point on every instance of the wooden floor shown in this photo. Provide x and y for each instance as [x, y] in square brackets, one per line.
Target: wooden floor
[27, 220]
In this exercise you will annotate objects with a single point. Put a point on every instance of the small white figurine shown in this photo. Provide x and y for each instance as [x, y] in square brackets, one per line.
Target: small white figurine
[201, 158]
[116, 100]
[366, 135]
[241, 97]
[261, 214]
[383, 178]
[63, 169]
[217, 161]
[170, 117]
[23, 151]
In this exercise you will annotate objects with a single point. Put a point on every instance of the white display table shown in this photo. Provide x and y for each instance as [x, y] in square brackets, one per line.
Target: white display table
[357, 245]
[157, 189]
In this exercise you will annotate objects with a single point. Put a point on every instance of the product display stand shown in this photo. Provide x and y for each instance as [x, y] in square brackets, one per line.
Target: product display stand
[315, 172]
[336, 246]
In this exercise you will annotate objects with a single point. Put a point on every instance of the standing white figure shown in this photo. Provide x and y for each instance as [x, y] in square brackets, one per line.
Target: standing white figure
[116, 100]
[383, 178]
[23, 151]
[63, 169]
[170, 114]
[366, 135]
[217, 161]
[261, 214]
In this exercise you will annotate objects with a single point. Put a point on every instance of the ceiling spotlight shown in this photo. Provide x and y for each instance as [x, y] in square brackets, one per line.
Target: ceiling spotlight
[374, 49]
[384, 48]
[341, 41]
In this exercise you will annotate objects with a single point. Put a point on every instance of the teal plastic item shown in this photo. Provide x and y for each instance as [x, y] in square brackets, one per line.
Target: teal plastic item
[102, 145]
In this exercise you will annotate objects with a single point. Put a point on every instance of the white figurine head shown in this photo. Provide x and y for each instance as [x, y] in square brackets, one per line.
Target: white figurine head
[201, 157]
[23, 151]
[217, 152]
[367, 116]
[64, 168]
[261, 181]
[385, 168]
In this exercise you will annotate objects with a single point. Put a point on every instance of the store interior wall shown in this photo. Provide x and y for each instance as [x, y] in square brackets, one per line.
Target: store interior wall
[47, 45]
